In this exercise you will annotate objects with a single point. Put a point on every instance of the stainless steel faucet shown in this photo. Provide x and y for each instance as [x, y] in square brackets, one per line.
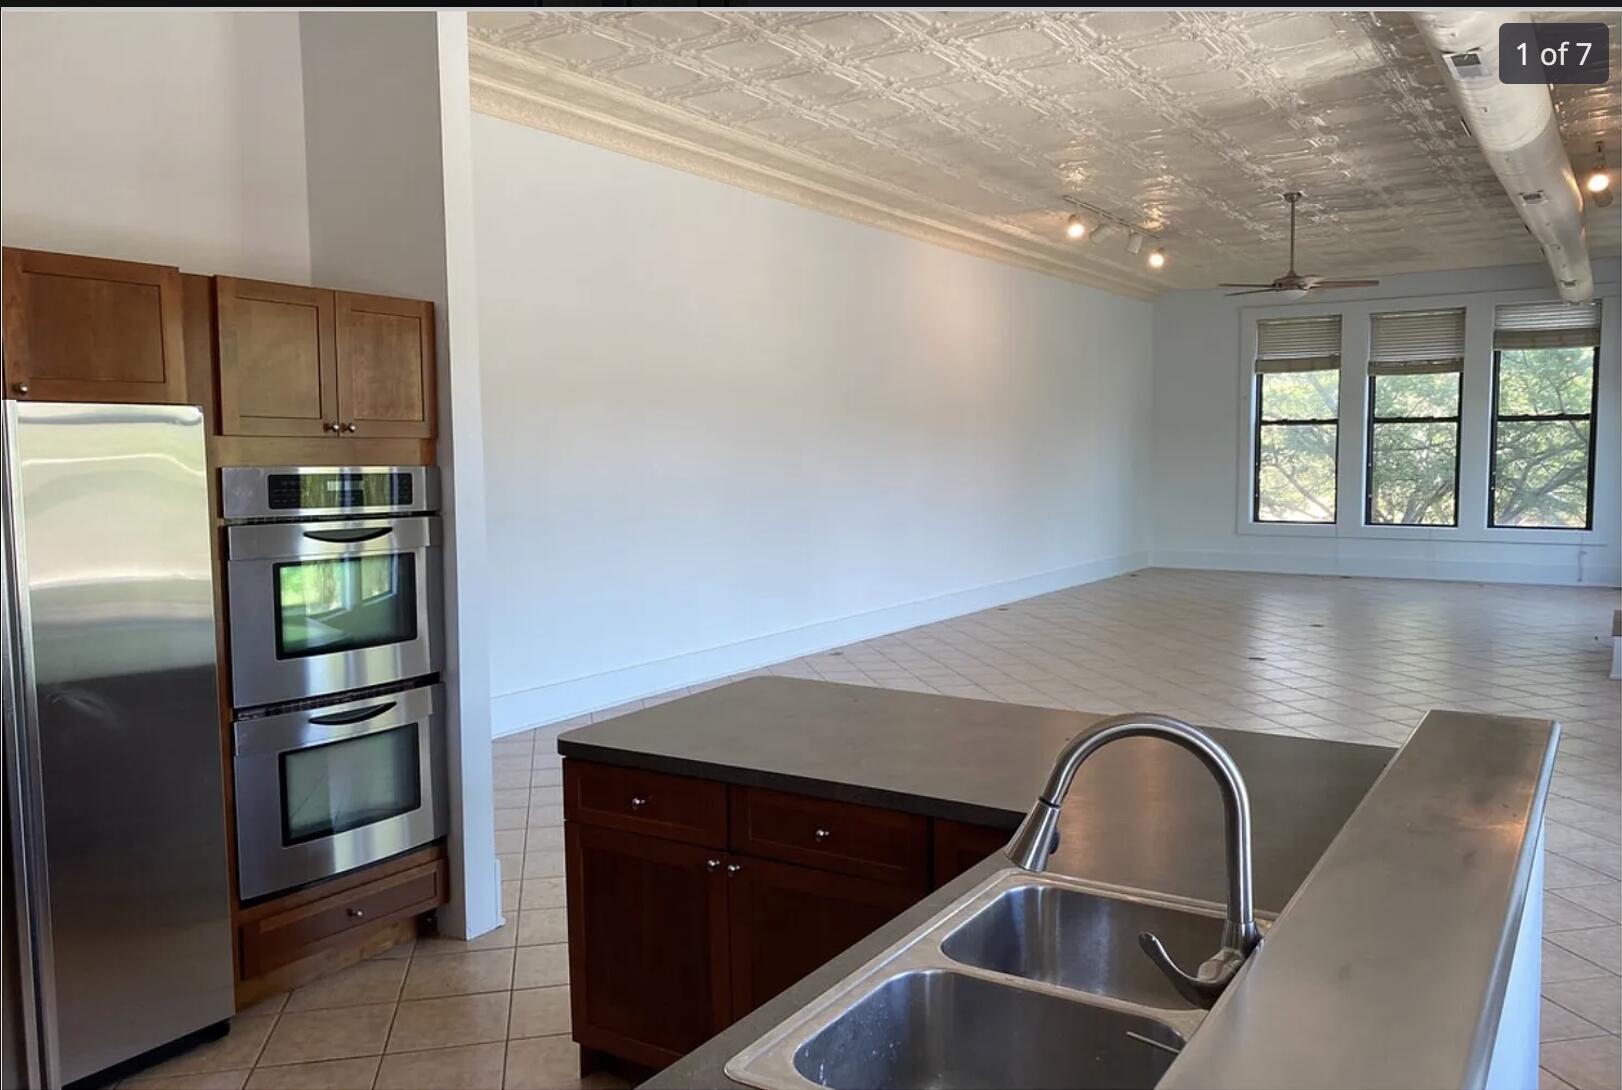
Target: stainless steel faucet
[1034, 842]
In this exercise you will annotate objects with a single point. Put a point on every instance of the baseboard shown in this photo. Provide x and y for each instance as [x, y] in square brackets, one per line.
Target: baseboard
[525, 708]
[1467, 571]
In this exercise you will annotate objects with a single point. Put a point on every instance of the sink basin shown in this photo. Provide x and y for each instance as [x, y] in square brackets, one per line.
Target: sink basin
[939, 1028]
[1025, 981]
[1085, 941]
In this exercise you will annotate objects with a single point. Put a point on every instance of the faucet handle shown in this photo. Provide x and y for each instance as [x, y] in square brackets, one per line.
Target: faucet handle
[1203, 988]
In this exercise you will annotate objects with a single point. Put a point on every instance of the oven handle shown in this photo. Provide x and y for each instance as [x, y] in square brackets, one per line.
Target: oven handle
[346, 537]
[343, 719]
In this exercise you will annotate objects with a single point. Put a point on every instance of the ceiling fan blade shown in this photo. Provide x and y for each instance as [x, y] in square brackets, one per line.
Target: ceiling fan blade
[1346, 284]
[1253, 291]
[1244, 285]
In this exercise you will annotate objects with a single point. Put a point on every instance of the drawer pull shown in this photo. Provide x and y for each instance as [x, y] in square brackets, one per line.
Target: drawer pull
[822, 835]
[734, 868]
[638, 802]
[357, 913]
[712, 864]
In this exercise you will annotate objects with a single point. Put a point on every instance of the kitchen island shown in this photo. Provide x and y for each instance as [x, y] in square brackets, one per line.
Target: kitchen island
[1145, 815]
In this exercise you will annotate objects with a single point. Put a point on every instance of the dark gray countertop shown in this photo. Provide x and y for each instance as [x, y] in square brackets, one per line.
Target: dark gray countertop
[1141, 813]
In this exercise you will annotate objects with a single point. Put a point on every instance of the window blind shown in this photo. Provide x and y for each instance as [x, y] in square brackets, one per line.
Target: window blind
[1547, 325]
[1297, 344]
[1417, 342]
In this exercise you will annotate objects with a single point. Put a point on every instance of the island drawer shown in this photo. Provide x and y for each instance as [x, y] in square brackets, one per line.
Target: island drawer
[638, 801]
[848, 838]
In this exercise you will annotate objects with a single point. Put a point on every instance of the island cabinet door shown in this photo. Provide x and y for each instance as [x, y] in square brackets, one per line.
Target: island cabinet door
[789, 920]
[647, 943]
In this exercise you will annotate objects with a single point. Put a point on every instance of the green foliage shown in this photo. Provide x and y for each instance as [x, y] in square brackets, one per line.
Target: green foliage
[1540, 467]
[1413, 478]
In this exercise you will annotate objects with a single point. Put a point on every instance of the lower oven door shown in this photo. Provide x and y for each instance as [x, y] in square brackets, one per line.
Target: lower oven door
[324, 607]
[325, 790]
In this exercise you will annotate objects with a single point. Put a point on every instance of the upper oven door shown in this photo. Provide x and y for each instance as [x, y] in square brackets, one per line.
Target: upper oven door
[324, 607]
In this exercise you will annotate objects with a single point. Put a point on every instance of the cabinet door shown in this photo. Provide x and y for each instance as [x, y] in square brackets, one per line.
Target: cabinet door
[647, 943]
[787, 921]
[385, 366]
[278, 366]
[960, 846]
[90, 329]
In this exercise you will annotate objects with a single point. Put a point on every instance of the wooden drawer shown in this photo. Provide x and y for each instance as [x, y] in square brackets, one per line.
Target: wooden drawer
[836, 836]
[637, 801]
[278, 938]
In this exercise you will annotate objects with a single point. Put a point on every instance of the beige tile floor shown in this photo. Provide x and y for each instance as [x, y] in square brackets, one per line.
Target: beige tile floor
[1353, 659]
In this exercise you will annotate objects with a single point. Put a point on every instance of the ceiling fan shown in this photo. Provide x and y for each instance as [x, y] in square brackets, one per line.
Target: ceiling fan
[1293, 283]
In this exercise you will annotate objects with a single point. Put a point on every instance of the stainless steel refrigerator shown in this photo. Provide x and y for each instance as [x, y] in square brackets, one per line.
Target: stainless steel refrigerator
[117, 889]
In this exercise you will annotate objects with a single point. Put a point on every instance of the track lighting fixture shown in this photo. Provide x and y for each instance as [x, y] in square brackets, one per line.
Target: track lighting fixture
[1097, 226]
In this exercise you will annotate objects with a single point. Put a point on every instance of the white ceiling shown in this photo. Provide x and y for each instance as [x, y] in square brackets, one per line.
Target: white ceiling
[970, 127]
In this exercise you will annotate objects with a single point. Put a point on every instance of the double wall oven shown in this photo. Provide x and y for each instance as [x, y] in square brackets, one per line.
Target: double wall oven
[334, 596]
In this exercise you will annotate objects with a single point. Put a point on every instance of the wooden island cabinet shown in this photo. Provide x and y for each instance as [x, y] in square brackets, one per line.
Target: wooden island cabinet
[692, 902]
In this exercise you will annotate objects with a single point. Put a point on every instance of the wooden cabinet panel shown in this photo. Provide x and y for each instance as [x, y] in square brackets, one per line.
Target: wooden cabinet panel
[786, 921]
[885, 845]
[959, 846]
[273, 940]
[638, 801]
[278, 359]
[647, 943]
[92, 329]
[385, 366]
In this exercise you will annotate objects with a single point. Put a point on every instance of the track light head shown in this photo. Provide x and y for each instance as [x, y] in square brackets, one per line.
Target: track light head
[1157, 258]
[1134, 243]
[1076, 227]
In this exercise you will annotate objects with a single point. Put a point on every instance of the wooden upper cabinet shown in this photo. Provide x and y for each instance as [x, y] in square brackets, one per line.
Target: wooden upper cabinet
[278, 359]
[385, 366]
[92, 329]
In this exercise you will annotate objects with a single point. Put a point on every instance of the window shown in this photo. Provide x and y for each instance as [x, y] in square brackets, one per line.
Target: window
[1297, 419]
[1545, 384]
[1416, 364]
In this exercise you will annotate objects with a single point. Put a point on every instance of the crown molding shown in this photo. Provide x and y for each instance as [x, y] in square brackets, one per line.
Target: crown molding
[513, 88]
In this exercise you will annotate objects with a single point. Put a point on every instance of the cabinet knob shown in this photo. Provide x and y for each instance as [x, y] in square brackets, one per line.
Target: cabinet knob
[21, 388]
[712, 864]
[350, 428]
[637, 802]
[734, 868]
[357, 913]
[331, 426]
[822, 835]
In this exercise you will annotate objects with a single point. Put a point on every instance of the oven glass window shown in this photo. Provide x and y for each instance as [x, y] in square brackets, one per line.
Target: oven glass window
[329, 788]
[327, 606]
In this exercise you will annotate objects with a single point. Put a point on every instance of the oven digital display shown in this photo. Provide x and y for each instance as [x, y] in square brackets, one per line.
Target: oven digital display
[337, 491]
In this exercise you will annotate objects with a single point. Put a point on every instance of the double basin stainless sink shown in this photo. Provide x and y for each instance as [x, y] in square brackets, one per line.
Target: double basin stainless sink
[1027, 981]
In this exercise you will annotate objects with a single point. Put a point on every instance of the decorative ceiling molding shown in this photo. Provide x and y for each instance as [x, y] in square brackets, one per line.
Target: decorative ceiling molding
[971, 128]
[515, 88]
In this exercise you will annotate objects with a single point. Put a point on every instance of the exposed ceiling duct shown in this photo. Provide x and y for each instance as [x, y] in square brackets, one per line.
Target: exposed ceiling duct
[1519, 135]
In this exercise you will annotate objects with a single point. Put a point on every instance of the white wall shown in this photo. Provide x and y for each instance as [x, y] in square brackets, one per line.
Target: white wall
[721, 430]
[1201, 462]
[173, 137]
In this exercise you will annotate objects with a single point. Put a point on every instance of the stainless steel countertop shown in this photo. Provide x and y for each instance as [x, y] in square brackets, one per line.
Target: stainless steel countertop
[1388, 967]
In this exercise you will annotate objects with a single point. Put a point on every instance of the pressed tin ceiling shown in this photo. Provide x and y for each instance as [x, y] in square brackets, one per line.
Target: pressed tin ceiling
[970, 127]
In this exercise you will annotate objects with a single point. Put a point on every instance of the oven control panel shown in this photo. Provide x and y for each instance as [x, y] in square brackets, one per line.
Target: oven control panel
[256, 494]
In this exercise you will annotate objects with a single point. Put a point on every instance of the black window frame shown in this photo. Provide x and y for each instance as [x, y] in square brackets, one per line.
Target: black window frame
[1592, 416]
[1368, 470]
[1256, 456]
